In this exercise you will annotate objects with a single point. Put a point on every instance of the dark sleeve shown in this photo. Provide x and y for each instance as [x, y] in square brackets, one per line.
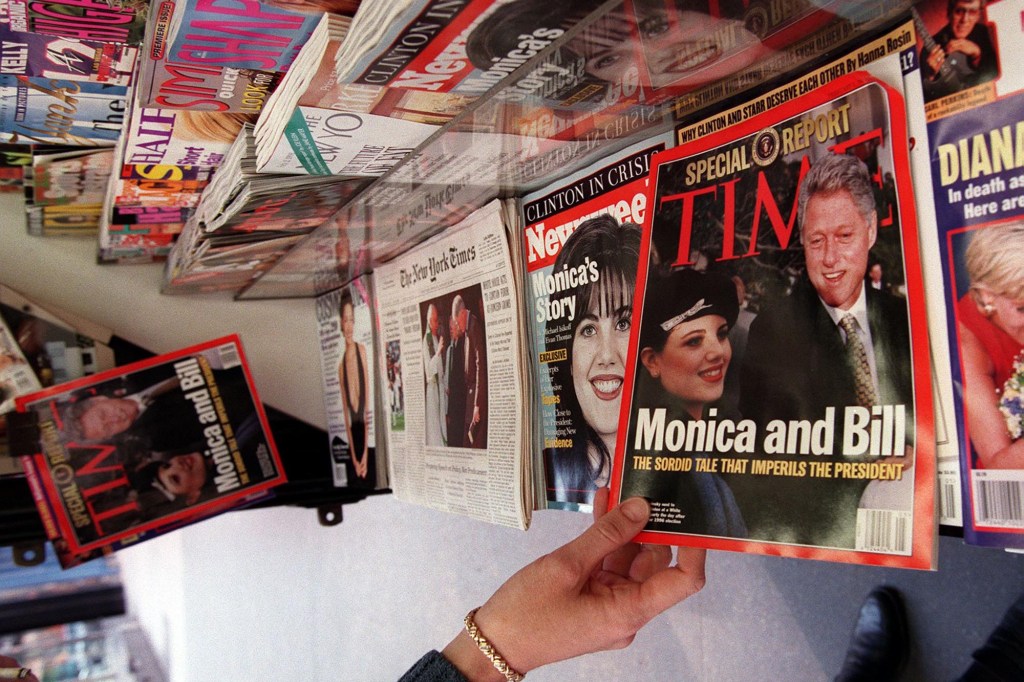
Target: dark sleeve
[433, 668]
[756, 381]
[988, 65]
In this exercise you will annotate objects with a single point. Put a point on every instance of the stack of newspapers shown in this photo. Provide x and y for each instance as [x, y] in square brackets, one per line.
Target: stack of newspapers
[245, 220]
[317, 124]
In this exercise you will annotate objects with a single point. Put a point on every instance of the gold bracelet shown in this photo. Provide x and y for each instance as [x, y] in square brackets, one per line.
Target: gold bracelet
[489, 651]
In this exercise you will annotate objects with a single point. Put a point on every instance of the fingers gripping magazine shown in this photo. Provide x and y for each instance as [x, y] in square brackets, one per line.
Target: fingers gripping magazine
[143, 447]
[761, 261]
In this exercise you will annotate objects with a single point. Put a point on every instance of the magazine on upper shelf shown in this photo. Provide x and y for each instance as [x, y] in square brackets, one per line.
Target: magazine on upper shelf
[200, 85]
[60, 111]
[144, 447]
[828, 452]
[72, 177]
[966, 53]
[258, 35]
[581, 242]
[177, 137]
[33, 54]
[196, 60]
[105, 21]
[450, 318]
[346, 324]
[317, 125]
[422, 45]
[973, 142]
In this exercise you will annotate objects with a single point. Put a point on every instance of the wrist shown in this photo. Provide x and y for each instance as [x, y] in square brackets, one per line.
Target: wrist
[466, 656]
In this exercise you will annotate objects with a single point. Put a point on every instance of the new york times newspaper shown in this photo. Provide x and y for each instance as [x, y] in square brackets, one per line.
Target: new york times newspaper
[450, 338]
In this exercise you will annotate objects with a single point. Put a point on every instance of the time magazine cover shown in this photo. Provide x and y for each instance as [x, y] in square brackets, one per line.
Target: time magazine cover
[784, 249]
[581, 243]
[138, 448]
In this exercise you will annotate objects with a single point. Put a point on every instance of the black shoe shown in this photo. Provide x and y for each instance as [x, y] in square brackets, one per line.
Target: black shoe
[880, 642]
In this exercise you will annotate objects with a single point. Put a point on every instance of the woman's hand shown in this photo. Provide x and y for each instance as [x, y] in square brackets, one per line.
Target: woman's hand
[592, 594]
[8, 662]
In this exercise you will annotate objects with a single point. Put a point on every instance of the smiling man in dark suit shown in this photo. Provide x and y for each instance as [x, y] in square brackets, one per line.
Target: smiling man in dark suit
[832, 342]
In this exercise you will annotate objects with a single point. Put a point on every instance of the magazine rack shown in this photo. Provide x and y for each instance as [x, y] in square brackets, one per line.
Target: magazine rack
[549, 118]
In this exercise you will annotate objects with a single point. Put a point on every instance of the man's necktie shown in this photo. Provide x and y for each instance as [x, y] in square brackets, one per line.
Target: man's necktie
[858, 359]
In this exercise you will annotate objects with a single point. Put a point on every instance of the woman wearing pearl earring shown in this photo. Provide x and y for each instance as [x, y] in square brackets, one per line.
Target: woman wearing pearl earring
[991, 328]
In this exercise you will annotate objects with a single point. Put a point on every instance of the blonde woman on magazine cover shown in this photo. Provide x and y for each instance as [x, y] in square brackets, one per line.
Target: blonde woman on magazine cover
[991, 326]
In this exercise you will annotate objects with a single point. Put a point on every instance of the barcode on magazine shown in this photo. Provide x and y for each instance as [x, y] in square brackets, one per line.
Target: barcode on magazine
[948, 500]
[229, 356]
[23, 383]
[883, 530]
[999, 503]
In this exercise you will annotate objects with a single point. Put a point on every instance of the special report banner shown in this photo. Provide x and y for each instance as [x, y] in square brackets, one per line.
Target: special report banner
[784, 250]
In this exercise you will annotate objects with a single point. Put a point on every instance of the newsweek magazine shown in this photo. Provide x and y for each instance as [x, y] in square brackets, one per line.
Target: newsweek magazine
[976, 189]
[828, 453]
[146, 446]
[422, 45]
[581, 243]
[451, 348]
[346, 324]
